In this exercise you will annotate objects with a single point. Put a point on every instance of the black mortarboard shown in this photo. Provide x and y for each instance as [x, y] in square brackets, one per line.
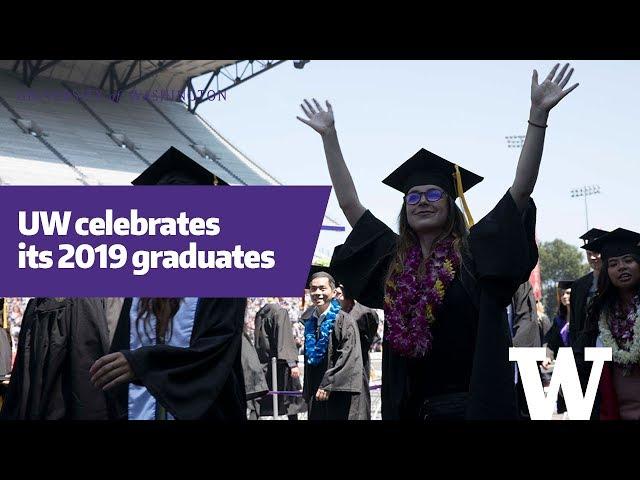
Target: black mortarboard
[426, 168]
[176, 168]
[318, 268]
[592, 234]
[564, 284]
[616, 243]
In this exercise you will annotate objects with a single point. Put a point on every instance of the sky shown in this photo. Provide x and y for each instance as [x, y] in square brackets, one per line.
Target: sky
[461, 110]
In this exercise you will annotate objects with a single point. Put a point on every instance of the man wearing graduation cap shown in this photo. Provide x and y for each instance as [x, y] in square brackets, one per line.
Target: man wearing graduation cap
[582, 292]
[584, 288]
[334, 380]
[613, 321]
[176, 358]
[444, 283]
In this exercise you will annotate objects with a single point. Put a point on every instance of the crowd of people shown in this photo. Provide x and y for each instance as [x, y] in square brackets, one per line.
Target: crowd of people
[454, 294]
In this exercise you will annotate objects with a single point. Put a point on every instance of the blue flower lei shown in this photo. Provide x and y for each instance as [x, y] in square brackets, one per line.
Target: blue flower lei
[315, 350]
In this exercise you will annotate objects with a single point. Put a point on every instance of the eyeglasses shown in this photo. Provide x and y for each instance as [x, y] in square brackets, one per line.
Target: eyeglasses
[431, 195]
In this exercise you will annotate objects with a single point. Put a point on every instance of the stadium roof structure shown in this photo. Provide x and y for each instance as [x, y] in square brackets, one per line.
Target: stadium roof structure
[173, 77]
[141, 129]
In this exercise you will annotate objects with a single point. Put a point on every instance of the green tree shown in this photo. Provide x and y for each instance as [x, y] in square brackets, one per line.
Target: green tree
[559, 261]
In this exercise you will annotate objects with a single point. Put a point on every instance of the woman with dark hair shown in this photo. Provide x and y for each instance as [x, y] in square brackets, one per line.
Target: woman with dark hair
[613, 321]
[444, 287]
[558, 334]
[175, 358]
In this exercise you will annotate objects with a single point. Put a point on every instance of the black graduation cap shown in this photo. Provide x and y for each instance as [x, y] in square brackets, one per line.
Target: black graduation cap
[616, 243]
[592, 234]
[426, 168]
[176, 168]
[564, 284]
[318, 268]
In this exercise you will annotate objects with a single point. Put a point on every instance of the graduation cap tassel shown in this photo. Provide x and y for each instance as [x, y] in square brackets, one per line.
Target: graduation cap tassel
[458, 180]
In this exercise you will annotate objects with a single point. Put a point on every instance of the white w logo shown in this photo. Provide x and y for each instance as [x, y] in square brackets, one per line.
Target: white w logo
[565, 374]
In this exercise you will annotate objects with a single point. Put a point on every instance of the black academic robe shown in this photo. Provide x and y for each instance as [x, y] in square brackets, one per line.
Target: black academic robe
[578, 311]
[340, 372]
[274, 339]
[526, 332]
[202, 381]
[553, 339]
[5, 352]
[471, 338]
[367, 320]
[583, 332]
[525, 328]
[255, 383]
[59, 341]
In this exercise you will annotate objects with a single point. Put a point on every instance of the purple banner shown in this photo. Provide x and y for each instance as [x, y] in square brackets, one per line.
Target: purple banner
[159, 241]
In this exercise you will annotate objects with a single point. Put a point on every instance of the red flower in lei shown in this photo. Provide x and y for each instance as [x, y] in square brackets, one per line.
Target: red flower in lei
[411, 301]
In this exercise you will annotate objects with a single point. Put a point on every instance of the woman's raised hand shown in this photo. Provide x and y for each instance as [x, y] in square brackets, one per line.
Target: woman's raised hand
[546, 95]
[320, 120]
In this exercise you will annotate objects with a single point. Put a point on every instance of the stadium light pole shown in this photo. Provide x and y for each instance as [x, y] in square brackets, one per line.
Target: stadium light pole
[515, 141]
[585, 192]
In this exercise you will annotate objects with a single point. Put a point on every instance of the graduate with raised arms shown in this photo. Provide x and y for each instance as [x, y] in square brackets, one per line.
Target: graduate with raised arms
[443, 283]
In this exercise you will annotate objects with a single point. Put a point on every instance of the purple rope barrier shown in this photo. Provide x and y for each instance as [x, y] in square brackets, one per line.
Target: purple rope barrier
[298, 393]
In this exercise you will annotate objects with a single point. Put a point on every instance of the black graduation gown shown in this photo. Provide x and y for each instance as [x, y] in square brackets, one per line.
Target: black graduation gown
[367, 320]
[584, 333]
[202, 381]
[527, 332]
[274, 338]
[59, 341]
[526, 328]
[553, 339]
[471, 337]
[578, 311]
[5, 352]
[255, 384]
[340, 372]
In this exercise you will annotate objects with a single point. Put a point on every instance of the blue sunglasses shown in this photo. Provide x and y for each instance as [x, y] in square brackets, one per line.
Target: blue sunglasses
[432, 195]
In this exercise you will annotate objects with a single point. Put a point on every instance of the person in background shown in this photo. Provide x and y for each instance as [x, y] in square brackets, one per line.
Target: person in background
[523, 320]
[613, 321]
[274, 339]
[334, 379]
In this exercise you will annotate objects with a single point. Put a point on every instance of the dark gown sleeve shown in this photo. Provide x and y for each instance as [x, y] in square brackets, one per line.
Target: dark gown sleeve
[255, 383]
[553, 340]
[370, 328]
[59, 341]
[190, 381]
[363, 260]
[504, 248]
[345, 375]
[577, 310]
[504, 253]
[287, 349]
[526, 330]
